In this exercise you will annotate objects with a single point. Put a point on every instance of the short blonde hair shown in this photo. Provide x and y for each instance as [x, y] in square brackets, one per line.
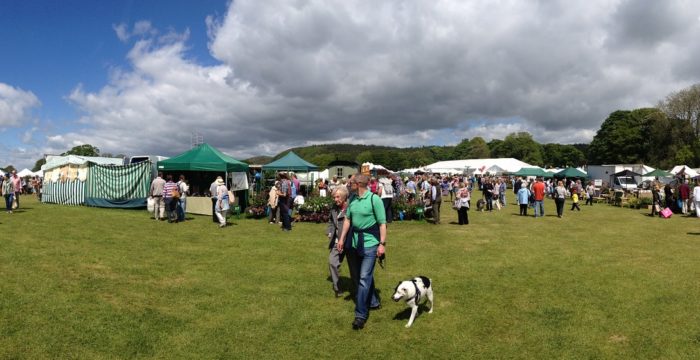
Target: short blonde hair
[342, 191]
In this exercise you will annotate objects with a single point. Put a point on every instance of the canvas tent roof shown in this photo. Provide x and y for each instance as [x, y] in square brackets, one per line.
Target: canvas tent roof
[658, 173]
[627, 173]
[54, 161]
[25, 172]
[290, 162]
[571, 172]
[688, 171]
[531, 171]
[454, 166]
[204, 157]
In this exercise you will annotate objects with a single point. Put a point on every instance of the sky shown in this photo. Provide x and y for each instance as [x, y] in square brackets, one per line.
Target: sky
[258, 77]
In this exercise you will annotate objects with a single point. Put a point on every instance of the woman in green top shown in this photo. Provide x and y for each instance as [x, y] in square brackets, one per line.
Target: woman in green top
[367, 226]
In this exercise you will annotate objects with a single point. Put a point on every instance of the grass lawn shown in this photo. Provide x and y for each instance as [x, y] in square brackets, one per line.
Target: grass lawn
[605, 283]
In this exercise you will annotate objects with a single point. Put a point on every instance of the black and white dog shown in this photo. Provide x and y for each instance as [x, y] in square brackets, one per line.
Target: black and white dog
[413, 291]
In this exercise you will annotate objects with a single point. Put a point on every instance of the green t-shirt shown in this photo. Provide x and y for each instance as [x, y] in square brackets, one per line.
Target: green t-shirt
[360, 213]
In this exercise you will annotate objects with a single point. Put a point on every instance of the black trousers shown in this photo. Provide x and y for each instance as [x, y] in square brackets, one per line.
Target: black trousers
[589, 200]
[575, 206]
[560, 206]
[523, 209]
[213, 210]
[463, 215]
[489, 202]
[387, 210]
[284, 213]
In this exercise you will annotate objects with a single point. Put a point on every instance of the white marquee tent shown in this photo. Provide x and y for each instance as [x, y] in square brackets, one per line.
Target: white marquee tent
[688, 171]
[477, 165]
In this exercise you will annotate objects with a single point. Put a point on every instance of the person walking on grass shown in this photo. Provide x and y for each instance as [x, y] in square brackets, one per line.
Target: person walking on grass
[272, 202]
[157, 194]
[523, 198]
[285, 201]
[386, 192]
[464, 197]
[560, 195]
[335, 227]
[184, 189]
[574, 202]
[436, 200]
[17, 183]
[538, 194]
[655, 200]
[590, 193]
[684, 195]
[696, 197]
[170, 201]
[364, 234]
[8, 192]
[212, 193]
[222, 202]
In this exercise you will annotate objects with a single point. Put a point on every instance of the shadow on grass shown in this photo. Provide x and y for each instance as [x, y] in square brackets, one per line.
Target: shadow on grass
[693, 233]
[406, 313]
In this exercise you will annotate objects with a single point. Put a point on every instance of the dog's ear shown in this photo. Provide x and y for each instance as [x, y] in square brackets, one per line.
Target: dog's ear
[397, 287]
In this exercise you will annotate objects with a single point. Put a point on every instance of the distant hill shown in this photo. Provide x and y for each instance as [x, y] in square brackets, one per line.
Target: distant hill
[258, 160]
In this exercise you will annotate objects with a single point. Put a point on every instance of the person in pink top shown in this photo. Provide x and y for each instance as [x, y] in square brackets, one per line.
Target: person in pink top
[17, 184]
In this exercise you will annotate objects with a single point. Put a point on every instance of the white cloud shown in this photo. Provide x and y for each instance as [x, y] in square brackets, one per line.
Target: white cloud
[142, 28]
[397, 73]
[16, 105]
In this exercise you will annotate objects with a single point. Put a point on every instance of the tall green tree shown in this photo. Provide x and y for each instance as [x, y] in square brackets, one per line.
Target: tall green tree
[684, 106]
[619, 139]
[478, 149]
[83, 150]
[461, 151]
[558, 155]
[38, 164]
[521, 146]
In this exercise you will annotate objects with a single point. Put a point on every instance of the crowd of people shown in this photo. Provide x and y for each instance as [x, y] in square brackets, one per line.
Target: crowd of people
[169, 198]
[12, 187]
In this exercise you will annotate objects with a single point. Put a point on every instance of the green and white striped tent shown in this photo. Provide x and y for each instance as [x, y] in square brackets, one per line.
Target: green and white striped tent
[69, 192]
[124, 186]
[95, 181]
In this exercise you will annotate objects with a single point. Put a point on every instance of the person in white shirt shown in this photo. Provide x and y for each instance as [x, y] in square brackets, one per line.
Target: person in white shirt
[386, 192]
[696, 197]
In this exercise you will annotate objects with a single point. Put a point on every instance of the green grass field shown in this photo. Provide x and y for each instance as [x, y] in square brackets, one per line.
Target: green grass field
[605, 283]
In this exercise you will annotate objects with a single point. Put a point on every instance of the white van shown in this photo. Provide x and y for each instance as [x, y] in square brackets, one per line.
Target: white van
[624, 183]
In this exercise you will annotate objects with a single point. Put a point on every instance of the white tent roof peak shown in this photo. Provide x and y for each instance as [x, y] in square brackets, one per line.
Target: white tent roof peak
[458, 166]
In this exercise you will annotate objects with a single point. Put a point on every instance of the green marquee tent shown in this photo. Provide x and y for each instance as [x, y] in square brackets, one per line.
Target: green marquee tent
[571, 172]
[531, 171]
[290, 162]
[203, 158]
[659, 173]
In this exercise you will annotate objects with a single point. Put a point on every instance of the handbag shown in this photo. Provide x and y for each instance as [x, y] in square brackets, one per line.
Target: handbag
[231, 198]
[150, 204]
[175, 194]
[14, 203]
[666, 213]
[456, 204]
